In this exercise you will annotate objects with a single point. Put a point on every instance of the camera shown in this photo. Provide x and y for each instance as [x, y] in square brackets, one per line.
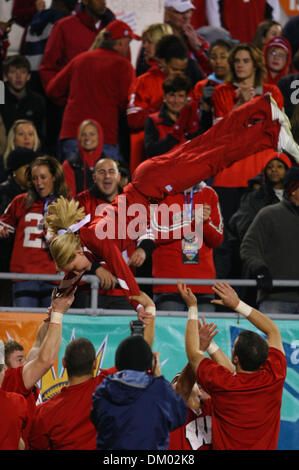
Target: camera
[137, 327]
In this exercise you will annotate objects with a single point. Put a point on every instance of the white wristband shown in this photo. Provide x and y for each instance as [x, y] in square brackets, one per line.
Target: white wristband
[213, 347]
[151, 309]
[56, 317]
[193, 313]
[243, 309]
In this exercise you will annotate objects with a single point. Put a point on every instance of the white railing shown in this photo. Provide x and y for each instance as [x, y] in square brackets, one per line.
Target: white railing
[94, 282]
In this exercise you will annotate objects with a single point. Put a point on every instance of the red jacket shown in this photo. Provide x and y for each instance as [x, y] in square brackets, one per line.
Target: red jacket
[92, 203]
[69, 37]
[167, 256]
[145, 97]
[278, 41]
[96, 86]
[238, 174]
[239, 17]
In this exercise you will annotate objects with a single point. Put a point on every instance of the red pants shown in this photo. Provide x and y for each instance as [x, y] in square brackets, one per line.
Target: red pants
[243, 132]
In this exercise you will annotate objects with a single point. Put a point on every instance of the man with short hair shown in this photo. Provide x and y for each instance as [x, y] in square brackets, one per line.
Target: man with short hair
[63, 423]
[106, 187]
[14, 413]
[14, 354]
[20, 101]
[136, 408]
[247, 401]
[41, 357]
[103, 94]
[178, 13]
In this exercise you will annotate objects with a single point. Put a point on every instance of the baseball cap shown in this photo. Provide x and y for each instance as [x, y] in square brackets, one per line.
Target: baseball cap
[279, 41]
[18, 157]
[118, 29]
[179, 5]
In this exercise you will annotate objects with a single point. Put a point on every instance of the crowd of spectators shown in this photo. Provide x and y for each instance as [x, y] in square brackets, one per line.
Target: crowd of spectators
[73, 93]
[77, 121]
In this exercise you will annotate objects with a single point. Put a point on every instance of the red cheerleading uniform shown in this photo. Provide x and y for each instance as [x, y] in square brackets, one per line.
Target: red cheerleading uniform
[227, 141]
[93, 205]
[224, 99]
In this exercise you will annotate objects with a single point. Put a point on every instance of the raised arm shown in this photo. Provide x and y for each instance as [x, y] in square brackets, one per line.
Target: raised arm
[203, 341]
[230, 299]
[214, 351]
[34, 369]
[192, 343]
[150, 312]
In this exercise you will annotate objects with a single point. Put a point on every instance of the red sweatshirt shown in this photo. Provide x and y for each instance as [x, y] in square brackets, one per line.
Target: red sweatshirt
[95, 85]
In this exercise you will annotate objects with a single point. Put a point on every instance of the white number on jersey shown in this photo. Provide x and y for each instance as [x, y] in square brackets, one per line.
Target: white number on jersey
[32, 234]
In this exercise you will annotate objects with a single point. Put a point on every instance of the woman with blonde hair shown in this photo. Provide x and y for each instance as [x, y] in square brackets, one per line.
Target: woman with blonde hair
[78, 168]
[22, 133]
[24, 217]
[149, 37]
[78, 243]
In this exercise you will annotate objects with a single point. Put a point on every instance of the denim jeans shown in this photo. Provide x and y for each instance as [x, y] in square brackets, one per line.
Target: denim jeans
[278, 306]
[67, 148]
[174, 302]
[112, 151]
[32, 294]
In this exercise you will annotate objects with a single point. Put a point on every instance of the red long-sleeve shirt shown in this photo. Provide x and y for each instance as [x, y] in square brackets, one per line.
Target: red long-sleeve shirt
[94, 85]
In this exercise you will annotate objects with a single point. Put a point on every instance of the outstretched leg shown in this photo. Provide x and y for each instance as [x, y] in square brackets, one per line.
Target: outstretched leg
[248, 129]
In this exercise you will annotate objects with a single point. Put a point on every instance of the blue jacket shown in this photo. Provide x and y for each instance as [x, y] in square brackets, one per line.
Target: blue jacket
[134, 410]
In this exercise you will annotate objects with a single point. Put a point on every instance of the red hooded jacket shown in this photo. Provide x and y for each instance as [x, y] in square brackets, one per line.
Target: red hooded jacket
[282, 43]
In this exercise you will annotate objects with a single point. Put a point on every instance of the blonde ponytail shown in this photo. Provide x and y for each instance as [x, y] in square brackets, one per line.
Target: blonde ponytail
[61, 215]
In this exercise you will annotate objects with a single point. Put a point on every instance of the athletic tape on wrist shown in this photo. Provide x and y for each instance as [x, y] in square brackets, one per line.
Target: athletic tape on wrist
[213, 347]
[56, 317]
[151, 309]
[243, 309]
[193, 313]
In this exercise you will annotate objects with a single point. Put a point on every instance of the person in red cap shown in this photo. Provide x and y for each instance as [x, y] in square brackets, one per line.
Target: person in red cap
[278, 56]
[95, 85]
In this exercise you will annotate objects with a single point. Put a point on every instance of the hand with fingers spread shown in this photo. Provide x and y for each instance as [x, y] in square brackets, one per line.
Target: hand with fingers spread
[206, 331]
[227, 294]
[187, 295]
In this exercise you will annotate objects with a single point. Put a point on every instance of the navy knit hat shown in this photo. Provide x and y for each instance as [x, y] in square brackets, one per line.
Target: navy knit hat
[18, 157]
[291, 180]
[134, 353]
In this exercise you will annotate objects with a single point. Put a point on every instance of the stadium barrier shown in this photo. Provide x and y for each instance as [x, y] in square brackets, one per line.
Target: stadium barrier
[106, 328]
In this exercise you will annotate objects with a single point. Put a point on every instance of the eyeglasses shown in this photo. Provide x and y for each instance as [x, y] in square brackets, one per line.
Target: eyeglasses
[281, 55]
